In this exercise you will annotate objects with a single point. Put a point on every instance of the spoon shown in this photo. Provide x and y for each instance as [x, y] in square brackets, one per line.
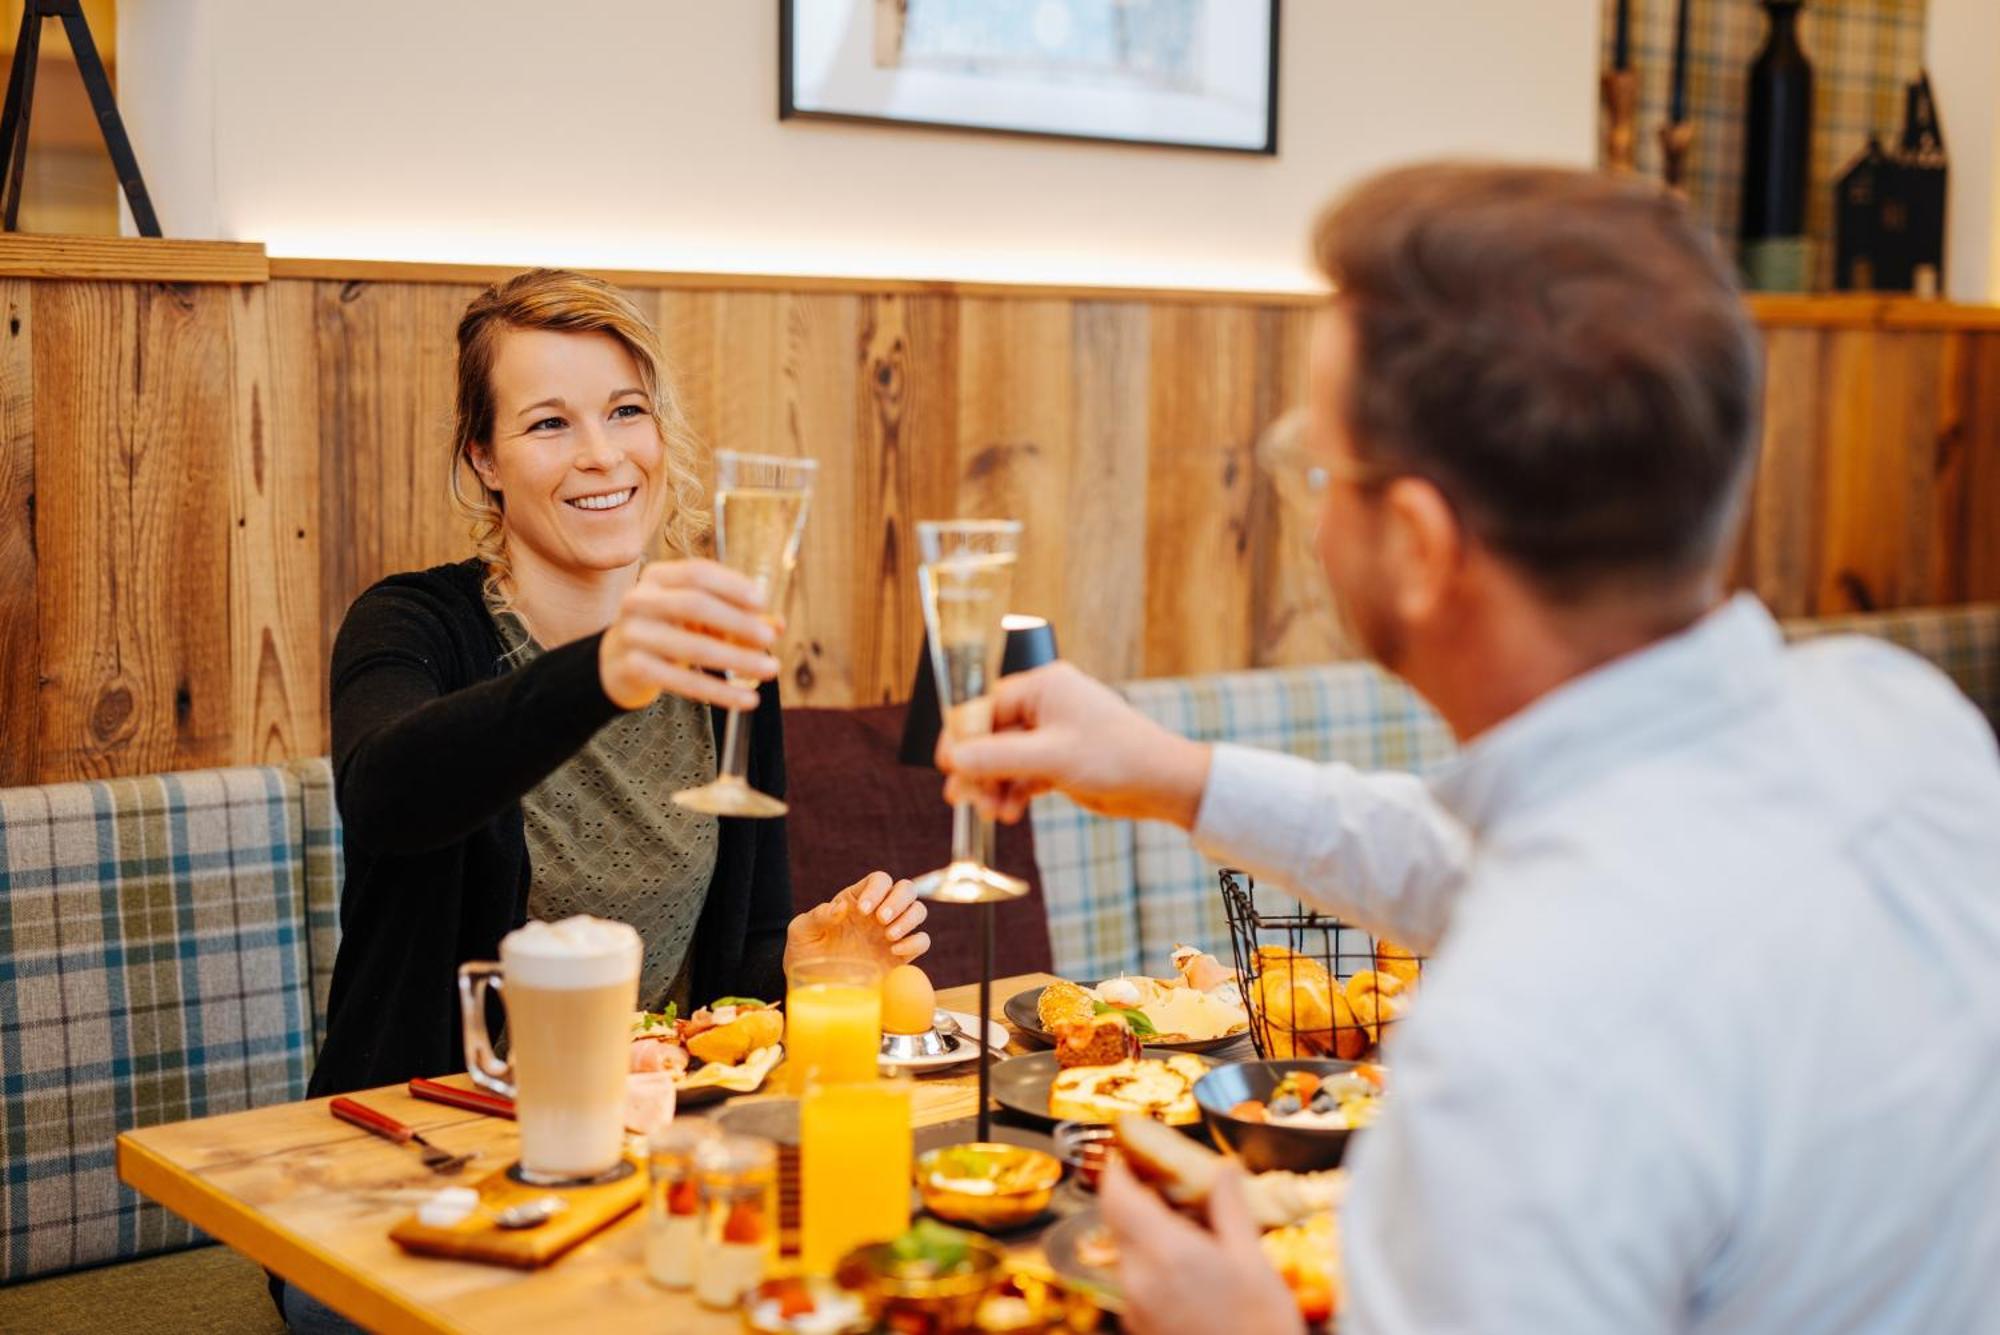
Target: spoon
[530, 1214]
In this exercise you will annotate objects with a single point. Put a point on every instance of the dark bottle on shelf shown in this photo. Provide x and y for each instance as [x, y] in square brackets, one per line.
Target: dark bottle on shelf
[1777, 158]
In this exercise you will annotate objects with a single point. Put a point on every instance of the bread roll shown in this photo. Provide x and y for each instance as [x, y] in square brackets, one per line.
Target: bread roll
[1184, 1174]
[1370, 996]
[1293, 998]
[1343, 1037]
[1394, 959]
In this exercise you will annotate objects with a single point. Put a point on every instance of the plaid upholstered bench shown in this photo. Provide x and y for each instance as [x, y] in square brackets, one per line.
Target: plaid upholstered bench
[1121, 896]
[166, 944]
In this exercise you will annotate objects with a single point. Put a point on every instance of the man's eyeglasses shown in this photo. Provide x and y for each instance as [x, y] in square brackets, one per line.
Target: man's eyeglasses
[1282, 452]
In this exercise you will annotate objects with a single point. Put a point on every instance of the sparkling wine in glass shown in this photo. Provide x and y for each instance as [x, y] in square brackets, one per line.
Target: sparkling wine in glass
[760, 515]
[966, 577]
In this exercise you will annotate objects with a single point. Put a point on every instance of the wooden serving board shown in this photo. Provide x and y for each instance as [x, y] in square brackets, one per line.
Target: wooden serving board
[478, 1238]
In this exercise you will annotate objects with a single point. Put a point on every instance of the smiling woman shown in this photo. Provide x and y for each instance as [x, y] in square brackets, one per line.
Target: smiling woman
[507, 731]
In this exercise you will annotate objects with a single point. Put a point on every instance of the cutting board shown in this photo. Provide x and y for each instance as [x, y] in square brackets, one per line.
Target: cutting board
[478, 1238]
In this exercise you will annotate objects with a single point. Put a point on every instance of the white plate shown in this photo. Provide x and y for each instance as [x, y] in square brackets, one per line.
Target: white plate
[960, 1052]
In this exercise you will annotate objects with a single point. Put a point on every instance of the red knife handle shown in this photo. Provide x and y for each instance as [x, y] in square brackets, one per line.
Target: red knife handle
[361, 1115]
[472, 1100]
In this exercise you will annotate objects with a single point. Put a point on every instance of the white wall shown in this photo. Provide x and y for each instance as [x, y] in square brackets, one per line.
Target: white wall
[1962, 49]
[644, 134]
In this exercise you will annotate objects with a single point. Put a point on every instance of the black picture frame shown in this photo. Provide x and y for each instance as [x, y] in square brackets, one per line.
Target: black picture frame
[789, 109]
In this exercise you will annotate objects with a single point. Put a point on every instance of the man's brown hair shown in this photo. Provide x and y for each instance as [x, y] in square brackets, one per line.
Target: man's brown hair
[1564, 354]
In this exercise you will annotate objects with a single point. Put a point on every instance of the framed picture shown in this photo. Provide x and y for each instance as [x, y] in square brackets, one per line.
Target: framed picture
[1185, 73]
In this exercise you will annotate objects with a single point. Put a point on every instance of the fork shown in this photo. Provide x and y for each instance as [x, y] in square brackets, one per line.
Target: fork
[387, 1127]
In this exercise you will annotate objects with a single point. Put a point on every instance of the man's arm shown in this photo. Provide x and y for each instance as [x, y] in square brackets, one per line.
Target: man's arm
[1375, 849]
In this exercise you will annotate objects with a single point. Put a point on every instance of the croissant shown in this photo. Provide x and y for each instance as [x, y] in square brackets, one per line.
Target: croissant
[1394, 959]
[1371, 996]
[1295, 1001]
[728, 1044]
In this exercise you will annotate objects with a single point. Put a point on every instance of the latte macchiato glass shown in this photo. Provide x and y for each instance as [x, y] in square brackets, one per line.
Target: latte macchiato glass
[570, 988]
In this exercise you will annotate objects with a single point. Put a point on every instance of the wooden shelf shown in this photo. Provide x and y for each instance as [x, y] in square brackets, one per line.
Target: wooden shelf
[133, 259]
[170, 261]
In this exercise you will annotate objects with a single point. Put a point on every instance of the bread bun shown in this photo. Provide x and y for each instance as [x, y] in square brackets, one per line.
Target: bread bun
[1398, 960]
[1293, 998]
[1370, 996]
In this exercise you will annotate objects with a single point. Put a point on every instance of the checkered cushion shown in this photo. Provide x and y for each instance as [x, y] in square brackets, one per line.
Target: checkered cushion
[1122, 896]
[153, 966]
[1964, 643]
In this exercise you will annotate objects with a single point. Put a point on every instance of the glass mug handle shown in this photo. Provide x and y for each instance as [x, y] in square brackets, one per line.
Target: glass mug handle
[481, 1062]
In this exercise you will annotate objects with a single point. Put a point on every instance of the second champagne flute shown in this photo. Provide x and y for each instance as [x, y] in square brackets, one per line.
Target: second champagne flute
[760, 516]
[966, 577]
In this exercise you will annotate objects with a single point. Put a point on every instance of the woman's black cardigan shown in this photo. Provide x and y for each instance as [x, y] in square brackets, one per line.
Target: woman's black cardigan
[435, 740]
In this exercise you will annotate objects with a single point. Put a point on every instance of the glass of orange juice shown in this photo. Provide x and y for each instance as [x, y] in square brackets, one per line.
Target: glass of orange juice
[833, 1022]
[854, 1167]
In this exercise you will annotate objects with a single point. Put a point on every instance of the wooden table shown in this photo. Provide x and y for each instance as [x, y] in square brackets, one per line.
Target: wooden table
[313, 1199]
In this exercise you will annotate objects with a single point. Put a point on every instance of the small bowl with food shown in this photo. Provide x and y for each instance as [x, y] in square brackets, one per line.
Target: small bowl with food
[933, 1277]
[987, 1184]
[1084, 1147]
[1293, 1116]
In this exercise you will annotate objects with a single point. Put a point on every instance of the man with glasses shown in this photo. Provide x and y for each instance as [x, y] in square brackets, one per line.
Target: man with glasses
[1710, 1037]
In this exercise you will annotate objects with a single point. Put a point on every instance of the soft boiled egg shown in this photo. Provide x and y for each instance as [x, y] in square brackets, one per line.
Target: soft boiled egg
[908, 1000]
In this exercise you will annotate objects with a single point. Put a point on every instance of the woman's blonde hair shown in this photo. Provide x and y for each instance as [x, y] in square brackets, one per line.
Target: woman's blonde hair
[570, 302]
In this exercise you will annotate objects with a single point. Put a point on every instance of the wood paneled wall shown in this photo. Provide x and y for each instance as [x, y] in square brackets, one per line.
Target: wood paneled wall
[196, 480]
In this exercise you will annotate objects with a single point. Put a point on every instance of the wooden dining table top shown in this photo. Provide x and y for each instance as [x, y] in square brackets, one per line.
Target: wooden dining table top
[313, 1199]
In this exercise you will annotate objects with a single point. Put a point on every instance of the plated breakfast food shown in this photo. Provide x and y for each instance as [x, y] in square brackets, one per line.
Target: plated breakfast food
[1160, 1088]
[725, 1048]
[1344, 1102]
[1200, 1007]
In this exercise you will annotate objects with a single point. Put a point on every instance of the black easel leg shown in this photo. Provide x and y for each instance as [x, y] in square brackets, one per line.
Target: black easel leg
[26, 53]
[10, 118]
[98, 83]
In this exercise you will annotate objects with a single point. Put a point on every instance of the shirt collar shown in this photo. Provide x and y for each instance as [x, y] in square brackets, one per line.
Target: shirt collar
[1664, 693]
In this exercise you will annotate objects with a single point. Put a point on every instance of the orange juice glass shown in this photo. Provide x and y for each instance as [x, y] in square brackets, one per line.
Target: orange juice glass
[833, 1022]
[854, 1168]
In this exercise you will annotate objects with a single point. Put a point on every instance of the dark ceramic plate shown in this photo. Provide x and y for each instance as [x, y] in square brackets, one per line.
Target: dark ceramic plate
[1263, 1146]
[1022, 1011]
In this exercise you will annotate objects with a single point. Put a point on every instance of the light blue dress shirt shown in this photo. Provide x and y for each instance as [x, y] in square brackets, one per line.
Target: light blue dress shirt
[1710, 1038]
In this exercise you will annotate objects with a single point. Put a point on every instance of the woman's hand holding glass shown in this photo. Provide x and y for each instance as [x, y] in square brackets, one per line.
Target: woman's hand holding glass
[682, 622]
[871, 919]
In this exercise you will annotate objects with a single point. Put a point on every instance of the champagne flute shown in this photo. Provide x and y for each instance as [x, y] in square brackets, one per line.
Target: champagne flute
[760, 515]
[966, 577]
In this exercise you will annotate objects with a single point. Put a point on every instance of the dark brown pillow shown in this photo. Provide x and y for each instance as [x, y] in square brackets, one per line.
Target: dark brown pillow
[855, 809]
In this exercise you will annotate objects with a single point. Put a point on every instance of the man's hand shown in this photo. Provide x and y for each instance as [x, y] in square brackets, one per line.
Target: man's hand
[1056, 728]
[1177, 1276]
[871, 919]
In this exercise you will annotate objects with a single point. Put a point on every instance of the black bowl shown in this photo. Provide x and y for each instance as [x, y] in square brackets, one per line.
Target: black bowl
[1262, 1146]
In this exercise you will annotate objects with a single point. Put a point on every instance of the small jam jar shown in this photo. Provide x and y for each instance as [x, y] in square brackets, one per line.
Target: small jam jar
[737, 1181]
[673, 1201]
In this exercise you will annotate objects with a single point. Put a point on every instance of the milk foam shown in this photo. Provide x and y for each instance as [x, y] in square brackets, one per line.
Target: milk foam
[577, 952]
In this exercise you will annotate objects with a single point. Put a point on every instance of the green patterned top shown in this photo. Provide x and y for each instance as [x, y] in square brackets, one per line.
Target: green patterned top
[604, 838]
